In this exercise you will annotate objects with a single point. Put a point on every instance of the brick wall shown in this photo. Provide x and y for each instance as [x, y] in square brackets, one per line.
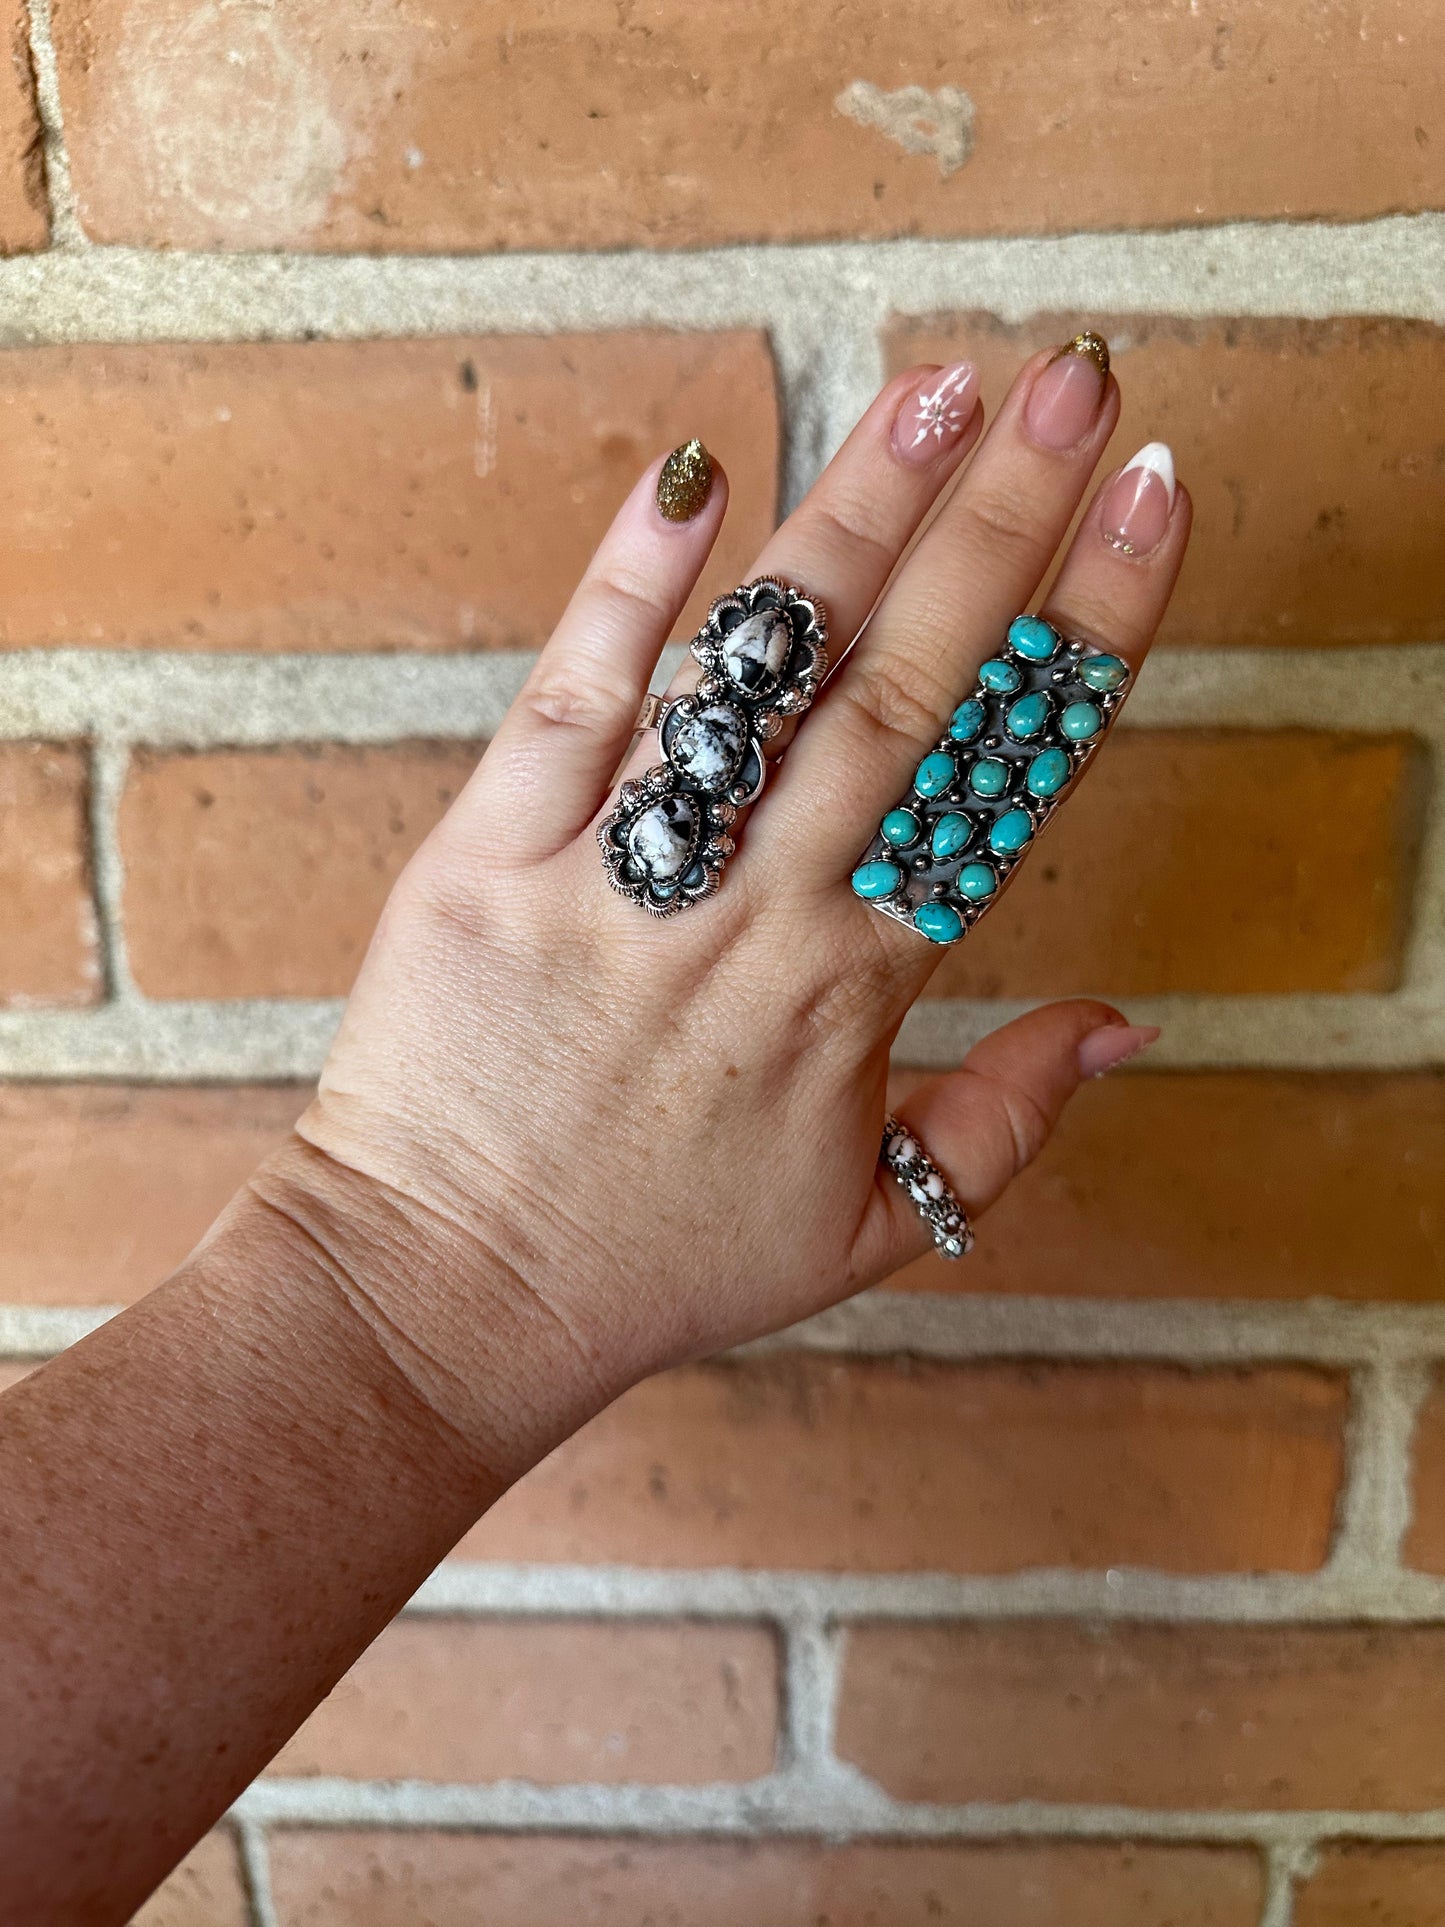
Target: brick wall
[1098, 1581]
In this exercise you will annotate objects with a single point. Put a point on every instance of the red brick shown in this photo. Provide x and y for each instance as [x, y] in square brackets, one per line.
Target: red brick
[1221, 1184]
[550, 1701]
[206, 1890]
[1360, 1885]
[395, 126]
[339, 1879]
[1159, 868]
[1157, 1716]
[409, 495]
[261, 873]
[886, 1465]
[24, 218]
[104, 1188]
[49, 952]
[1425, 1543]
[1309, 447]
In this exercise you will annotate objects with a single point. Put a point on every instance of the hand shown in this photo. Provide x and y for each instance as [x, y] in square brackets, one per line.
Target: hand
[592, 1144]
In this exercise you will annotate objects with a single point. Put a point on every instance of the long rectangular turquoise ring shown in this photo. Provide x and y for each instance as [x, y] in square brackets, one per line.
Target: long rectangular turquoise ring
[1007, 758]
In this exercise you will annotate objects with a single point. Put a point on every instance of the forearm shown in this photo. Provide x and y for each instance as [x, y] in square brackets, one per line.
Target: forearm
[212, 1505]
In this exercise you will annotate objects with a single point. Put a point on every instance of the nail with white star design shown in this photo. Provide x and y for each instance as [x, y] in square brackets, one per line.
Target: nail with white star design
[932, 417]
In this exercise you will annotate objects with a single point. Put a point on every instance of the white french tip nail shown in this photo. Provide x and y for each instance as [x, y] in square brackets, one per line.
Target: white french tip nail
[1158, 458]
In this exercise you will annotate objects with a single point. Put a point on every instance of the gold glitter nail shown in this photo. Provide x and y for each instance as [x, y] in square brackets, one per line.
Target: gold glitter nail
[1092, 345]
[685, 482]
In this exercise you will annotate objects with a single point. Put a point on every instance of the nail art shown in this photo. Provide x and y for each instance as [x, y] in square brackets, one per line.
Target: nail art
[932, 420]
[1093, 347]
[685, 482]
[1010, 753]
[1136, 507]
[1068, 393]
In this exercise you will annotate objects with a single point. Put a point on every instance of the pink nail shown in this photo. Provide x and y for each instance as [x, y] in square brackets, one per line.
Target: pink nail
[1066, 397]
[1112, 1045]
[932, 418]
[1137, 503]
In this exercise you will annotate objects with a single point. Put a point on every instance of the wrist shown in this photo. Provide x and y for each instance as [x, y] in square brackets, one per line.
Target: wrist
[446, 1328]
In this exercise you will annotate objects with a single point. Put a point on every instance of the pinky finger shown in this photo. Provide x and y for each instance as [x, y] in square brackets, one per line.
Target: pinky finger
[987, 1121]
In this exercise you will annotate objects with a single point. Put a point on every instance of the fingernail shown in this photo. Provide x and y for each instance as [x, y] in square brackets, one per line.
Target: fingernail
[931, 419]
[1068, 393]
[1112, 1045]
[1135, 511]
[685, 482]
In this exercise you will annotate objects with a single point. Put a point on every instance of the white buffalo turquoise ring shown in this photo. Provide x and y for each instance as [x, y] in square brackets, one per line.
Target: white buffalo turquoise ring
[763, 652]
[1007, 757]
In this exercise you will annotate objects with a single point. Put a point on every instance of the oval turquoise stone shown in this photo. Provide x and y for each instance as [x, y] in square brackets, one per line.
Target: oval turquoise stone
[1011, 832]
[1027, 717]
[1104, 673]
[900, 828]
[988, 778]
[1048, 773]
[968, 721]
[939, 922]
[976, 882]
[1000, 676]
[1033, 639]
[1080, 721]
[877, 879]
[950, 835]
[935, 773]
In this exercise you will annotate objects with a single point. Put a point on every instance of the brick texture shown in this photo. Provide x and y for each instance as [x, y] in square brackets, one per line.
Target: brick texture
[261, 873]
[1425, 1542]
[1152, 880]
[1332, 1183]
[455, 1880]
[357, 126]
[24, 220]
[549, 1701]
[1155, 1716]
[1310, 449]
[104, 1188]
[437, 494]
[206, 1890]
[884, 1465]
[1358, 1885]
[48, 946]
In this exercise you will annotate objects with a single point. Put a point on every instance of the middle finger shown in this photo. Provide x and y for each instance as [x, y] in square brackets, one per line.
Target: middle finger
[978, 565]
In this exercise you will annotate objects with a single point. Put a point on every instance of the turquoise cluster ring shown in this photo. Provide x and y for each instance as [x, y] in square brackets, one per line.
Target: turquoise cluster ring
[1008, 754]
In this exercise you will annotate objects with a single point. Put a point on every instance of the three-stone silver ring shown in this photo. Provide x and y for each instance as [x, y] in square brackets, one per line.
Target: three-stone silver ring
[763, 653]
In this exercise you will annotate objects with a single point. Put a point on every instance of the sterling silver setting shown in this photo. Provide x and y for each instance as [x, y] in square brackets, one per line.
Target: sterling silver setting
[928, 1189]
[763, 653]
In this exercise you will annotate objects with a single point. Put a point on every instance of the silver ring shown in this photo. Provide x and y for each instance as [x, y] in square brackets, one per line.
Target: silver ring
[763, 652]
[928, 1189]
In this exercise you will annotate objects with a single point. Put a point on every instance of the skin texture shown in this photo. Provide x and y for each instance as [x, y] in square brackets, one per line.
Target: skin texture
[557, 1146]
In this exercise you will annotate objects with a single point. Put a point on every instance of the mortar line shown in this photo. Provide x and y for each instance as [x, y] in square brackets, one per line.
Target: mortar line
[1387, 265]
[255, 1854]
[1284, 1865]
[66, 231]
[1386, 1397]
[109, 769]
[1329, 1334]
[809, 1683]
[781, 1807]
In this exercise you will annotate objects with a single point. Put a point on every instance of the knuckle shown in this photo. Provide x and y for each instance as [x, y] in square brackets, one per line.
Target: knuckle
[625, 601]
[577, 706]
[848, 526]
[1003, 521]
[892, 710]
[1103, 623]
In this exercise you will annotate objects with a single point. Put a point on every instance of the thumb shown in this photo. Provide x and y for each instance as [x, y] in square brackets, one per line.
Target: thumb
[983, 1123]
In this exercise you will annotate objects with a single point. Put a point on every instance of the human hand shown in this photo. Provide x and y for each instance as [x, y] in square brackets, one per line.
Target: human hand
[558, 1144]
